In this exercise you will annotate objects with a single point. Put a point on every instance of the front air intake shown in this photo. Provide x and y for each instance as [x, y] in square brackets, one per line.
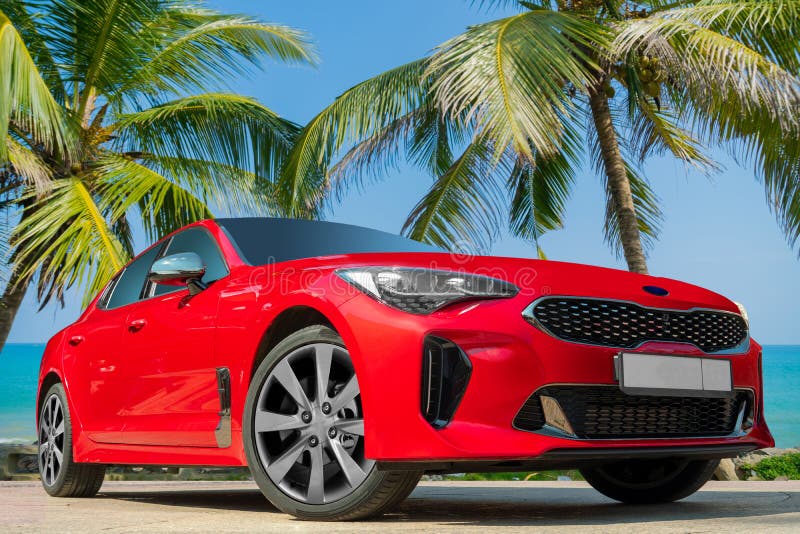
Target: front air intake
[611, 323]
[445, 374]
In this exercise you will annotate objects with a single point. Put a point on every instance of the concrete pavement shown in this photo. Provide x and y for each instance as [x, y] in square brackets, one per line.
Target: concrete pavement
[434, 506]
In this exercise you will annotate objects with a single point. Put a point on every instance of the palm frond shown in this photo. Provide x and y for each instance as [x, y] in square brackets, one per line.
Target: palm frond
[768, 26]
[777, 162]
[212, 49]
[433, 138]
[29, 29]
[510, 76]
[67, 240]
[163, 204]
[98, 42]
[461, 211]
[228, 129]
[25, 97]
[540, 192]
[698, 57]
[508, 4]
[655, 131]
[373, 157]
[423, 135]
[359, 113]
[29, 166]
[227, 188]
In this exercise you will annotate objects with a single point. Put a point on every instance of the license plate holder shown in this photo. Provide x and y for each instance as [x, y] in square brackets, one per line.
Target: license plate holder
[678, 376]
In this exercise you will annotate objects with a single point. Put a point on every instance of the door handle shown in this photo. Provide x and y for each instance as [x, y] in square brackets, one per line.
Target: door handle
[76, 340]
[136, 325]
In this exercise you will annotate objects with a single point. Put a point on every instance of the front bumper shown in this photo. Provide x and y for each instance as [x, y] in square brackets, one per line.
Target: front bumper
[511, 359]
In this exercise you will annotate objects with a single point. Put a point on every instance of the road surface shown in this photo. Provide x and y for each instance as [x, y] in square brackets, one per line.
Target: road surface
[221, 507]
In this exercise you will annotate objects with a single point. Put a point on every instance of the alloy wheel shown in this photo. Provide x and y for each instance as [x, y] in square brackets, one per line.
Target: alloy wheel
[51, 440]
[308, 425]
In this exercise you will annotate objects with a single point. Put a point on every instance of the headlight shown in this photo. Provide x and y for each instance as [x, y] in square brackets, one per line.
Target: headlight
[423, 291]
[743, 311]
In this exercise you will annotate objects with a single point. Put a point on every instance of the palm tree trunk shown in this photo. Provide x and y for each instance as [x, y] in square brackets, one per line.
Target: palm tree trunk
[619, 186]
[9, 305]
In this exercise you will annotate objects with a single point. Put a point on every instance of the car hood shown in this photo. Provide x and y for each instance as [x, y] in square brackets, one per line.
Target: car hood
[541, 278]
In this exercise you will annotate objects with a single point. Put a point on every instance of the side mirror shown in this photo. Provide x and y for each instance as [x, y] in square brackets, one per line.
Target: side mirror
[181, 269]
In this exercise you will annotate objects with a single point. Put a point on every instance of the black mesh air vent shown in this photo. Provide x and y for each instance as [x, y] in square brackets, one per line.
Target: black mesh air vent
[445, 373]
[605, 412]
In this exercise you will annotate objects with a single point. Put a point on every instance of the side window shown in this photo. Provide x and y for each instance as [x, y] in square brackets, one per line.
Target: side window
[201, 243]
[128, 287]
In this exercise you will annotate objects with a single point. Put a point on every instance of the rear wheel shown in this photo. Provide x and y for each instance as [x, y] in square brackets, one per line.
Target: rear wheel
[650, 481]
[304, 433]
[61, 476]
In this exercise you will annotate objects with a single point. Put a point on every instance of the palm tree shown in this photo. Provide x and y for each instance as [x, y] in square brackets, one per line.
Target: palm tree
[107, 114]
[505, 115]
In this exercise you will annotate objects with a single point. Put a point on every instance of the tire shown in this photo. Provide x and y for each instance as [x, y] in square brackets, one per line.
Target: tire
[292, 439]
[650, 481]
[64, 477]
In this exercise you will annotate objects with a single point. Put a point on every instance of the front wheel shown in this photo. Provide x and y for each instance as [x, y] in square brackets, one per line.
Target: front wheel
[61, 476]
[304, 433]
[650, 481]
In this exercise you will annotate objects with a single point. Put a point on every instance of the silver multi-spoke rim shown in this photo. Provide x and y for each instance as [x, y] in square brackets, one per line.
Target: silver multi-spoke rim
[51, 440]
[308, 425]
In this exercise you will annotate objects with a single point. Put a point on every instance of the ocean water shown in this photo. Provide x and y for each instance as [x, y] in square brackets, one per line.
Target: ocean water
[19, 367]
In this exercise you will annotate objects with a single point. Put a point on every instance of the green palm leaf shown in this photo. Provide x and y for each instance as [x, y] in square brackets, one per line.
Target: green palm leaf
[29, 29]
[359, 113]
[657, 131]
[539, 193]
[228, 129]
[66, 238]
[699, 55]
[29, 166]
[227, 188]
[200, 49]
[510, 76]
[780, 169]
[25, 98]
[165, 205]
[461, 210]
[423, 134]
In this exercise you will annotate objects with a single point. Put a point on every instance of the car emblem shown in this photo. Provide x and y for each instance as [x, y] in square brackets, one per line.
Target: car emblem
[657, 291]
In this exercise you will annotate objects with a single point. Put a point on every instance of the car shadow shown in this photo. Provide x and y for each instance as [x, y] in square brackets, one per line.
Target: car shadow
[243, 500]
[519, 506]
[486, 505]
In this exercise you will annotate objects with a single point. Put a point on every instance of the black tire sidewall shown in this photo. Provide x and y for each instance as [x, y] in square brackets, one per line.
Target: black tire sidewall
[373, 481]
[693, 476]
[58, 486]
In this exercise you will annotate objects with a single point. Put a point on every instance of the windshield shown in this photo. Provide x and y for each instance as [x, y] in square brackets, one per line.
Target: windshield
[263, 240]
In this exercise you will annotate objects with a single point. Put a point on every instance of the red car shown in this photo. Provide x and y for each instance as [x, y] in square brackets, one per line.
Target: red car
[340, 363]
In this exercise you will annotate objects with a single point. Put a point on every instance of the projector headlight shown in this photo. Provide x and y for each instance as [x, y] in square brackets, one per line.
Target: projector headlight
[743, 311]
[423, 291]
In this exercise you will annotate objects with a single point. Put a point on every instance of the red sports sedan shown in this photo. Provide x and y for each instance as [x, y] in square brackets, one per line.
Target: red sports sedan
[340, 363]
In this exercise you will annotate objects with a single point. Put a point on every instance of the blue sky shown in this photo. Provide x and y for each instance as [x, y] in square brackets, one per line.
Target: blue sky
[718, 232]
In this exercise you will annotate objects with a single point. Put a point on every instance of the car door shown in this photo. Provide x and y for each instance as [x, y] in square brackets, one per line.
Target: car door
[94, 358]
[173, 396]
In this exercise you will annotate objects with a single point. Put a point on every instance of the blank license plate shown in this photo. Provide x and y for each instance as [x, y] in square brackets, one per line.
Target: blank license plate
[651, 374]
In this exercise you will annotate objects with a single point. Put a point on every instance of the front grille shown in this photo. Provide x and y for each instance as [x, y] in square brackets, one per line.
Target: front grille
[627, 325]
[605, 412]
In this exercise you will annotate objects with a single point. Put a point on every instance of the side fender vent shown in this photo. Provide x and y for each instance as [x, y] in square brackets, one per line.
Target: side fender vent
[445, 373]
